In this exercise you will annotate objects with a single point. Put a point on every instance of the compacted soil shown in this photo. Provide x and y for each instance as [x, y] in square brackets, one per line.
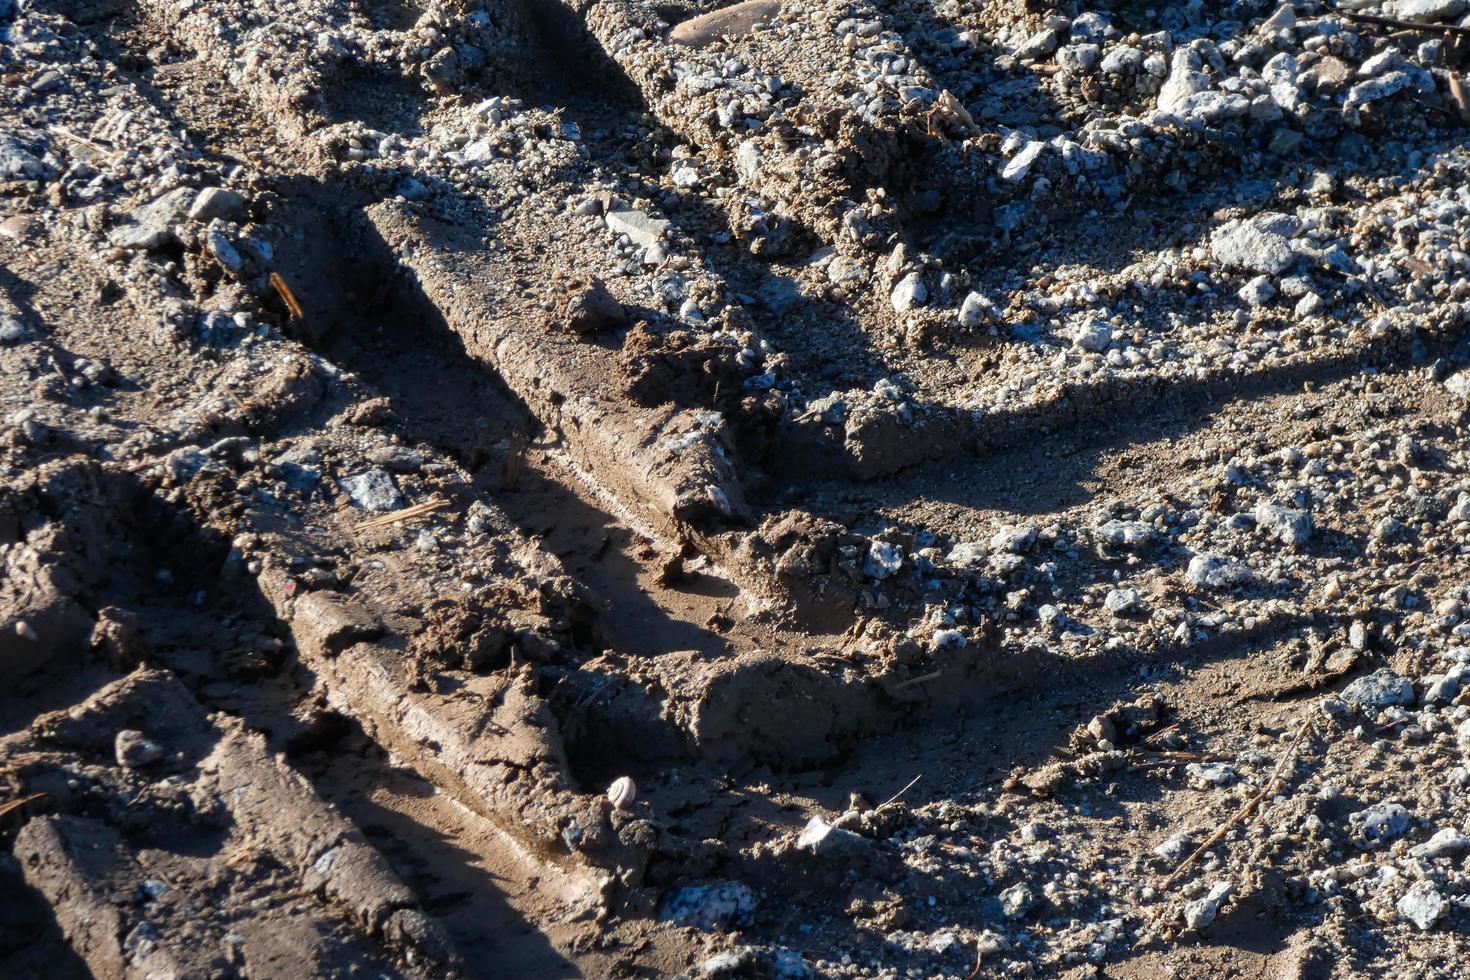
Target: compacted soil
[597, 488]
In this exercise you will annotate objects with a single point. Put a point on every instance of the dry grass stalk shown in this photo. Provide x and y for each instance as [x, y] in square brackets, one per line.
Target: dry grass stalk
[406, 514]
[1405, 25]
[1457, 95]
[19, 802]
[896, 796]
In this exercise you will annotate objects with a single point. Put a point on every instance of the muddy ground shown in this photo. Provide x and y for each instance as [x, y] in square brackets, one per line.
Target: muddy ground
[611, 489]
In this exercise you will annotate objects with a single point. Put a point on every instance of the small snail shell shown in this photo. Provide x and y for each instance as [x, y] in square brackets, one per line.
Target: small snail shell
[622, 792]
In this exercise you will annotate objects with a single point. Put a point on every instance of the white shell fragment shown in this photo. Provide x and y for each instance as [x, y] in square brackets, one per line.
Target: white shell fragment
[623, 792]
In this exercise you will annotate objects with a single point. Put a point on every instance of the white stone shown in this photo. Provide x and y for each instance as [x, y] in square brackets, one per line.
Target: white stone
[1094, 335]
[1019, 165]
[1289, 526]
[1422, 905]
[1429, 11]
[910, 293]
[1256, 244]
[976, 311]
[1216, 572]
[1185, 79]
[883, 559]
[1202, 913]
[1257, 292]
[372, 490]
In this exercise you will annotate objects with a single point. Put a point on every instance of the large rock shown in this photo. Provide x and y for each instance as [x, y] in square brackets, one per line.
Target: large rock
[1258, 244]
[153, 223]
[1380, 689]
[1185, 79]
[1429, 11]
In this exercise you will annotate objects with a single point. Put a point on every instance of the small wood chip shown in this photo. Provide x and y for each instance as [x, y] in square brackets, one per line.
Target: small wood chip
[287, 297]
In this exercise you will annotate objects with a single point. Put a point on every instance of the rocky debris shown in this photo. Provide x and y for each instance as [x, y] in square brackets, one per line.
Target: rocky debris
[1209, 261]
[719, 905]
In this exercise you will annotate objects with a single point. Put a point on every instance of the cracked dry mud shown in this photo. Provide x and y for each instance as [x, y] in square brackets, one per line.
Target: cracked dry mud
[549, 488]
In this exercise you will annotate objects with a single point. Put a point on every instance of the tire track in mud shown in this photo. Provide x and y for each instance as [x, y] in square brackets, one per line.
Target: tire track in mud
[485, 827]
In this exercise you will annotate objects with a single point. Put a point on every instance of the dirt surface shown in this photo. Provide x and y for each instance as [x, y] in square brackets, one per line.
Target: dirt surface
[611, 489]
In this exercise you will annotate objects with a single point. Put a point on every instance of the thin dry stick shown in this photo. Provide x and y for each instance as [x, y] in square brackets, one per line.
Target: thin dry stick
[1246, 808]
[406, 514]
[895, 796]
[244, 409]
[18, 803]
[917, 680]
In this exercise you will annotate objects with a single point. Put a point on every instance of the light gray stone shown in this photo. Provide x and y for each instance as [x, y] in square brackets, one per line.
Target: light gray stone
[153, 223]
[640, 228]
[1380, 689]
[910, 293]
[1201, 914]
[1211, 571]
[215, 202]
[372, 490]
[1254, 244]
[1285, 524]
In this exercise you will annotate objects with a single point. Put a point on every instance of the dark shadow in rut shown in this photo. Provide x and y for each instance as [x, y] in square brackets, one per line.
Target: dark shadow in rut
[373, 320]
[1094, 420]
[568, 68]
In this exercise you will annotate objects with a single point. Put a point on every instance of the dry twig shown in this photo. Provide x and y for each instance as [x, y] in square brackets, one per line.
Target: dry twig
[19, 802]
[1248, 807]
[917, 680]
[895, 797]
[406, 514]
[1457, 95]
